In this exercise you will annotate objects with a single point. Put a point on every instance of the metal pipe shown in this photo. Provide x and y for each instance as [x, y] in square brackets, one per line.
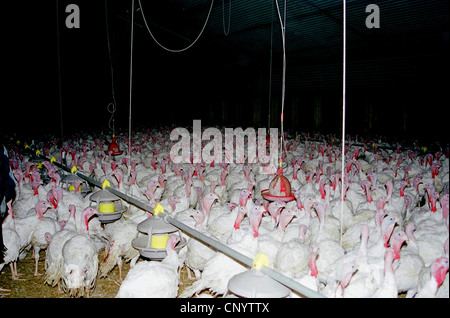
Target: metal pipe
[288, 282]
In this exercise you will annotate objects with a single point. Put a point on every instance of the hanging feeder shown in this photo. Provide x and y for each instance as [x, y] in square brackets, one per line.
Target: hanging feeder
[70, 181]
[279, 189]
[155, 231]
[109, 206]
[255, 284]
[114, 148]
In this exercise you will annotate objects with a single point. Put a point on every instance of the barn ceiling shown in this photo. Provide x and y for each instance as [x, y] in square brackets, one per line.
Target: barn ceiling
[235, 55]
[410, 44]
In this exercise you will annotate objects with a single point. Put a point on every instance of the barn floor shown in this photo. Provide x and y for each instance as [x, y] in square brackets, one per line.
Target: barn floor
[34, 287]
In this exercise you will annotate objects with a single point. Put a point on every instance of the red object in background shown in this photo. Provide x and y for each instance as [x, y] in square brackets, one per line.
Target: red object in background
[279, 189]
[114, 148]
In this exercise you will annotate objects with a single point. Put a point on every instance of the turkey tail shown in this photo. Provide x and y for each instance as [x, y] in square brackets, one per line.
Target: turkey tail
[113, 256]
[52, 274]
[109, 261]
[196, 287]
[130, 254]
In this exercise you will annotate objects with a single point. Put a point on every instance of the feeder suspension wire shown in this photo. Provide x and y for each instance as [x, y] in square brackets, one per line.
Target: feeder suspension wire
[131, 82]
[283, 86]
[111, 109]
[59, 73]
[180, 50]
[226, 32]
[270, 65]
[344, 70]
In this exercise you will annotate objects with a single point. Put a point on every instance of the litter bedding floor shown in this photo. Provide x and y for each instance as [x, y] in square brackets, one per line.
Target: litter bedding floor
[34, 287]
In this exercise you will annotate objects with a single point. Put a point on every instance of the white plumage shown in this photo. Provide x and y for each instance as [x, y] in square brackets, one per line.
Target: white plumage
[153, 279]
[384, 192]
[119, 248]
[80, 265]
[43, 230]
[220, 268]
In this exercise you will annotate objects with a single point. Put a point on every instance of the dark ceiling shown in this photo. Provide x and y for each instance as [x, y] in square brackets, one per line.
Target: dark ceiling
[397, 75]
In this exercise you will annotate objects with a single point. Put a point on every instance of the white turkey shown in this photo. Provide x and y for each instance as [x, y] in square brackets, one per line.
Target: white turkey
[220, 268]
[409, 265]
[53, 257]
[185, 215]
[432, 278]
[388, 288]
[63, 199]
[11, 241]
[293, 257]
[223, 222]
[368, 276]
[43, 230]
[25, 226]
[198, 253]
[27, 193]
[308, 280]
[80, 263]
[153, 279]
[119, 248]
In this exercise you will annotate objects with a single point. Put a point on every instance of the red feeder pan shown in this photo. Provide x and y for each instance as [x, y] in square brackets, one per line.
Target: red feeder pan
[114, 148]
[279, 189]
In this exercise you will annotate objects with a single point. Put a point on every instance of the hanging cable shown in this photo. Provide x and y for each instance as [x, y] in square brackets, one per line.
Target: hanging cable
[131, 83]
[109, 55]
[283, 37]
[226, 32]
[190, 45]
[111, 108]
[344, 75]
[270, 67]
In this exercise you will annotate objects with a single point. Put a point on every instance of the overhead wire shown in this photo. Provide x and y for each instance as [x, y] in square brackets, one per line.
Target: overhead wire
[226, 32]
[344, 76]
[131, 83]
[270, 66]
[283, 85]
[111, 106]
[109, 54]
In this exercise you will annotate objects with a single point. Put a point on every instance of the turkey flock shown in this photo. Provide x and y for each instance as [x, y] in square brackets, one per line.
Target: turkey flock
[387, 237]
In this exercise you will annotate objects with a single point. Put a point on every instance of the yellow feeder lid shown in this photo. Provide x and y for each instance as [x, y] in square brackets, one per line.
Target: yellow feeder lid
[158, 208]
[260, 260]
[106, 184]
